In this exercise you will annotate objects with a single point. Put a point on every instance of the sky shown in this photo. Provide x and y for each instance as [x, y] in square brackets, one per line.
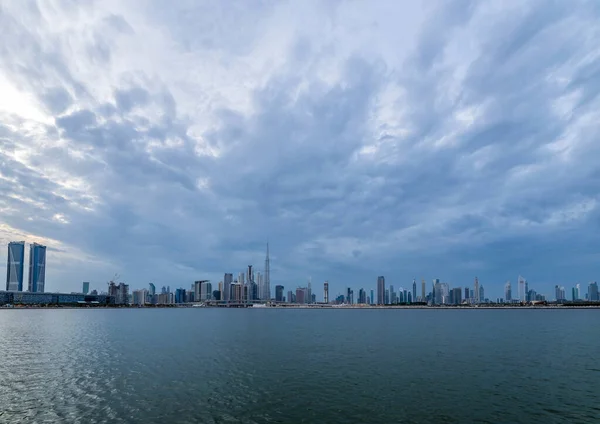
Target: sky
[168, 142]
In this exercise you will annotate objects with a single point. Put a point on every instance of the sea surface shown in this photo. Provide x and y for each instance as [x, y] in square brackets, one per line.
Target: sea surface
[205, 365]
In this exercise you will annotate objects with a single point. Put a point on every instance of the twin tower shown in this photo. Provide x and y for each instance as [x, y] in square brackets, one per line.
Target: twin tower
[37, 266]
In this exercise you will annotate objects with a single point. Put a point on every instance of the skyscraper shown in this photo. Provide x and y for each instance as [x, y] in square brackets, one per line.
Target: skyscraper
[326, 292]
[481, 294]
[267, 276]
[381, 290]
[476, 291]
[414, 290]
[507, 292]
[37, 268]
[227, 280]
[372, 297]
[423, 294]
[593, 292]
[14, 266]
[278, 293]
[521, 288]
[467, 297]
[86, 287]
[151, 289]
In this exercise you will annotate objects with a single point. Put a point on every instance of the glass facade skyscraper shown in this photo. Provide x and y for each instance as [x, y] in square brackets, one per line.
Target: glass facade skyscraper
[14, 266]
[381, 290]
[37, 268]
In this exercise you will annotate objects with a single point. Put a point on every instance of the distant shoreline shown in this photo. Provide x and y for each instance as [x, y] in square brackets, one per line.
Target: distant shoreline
[327, 307]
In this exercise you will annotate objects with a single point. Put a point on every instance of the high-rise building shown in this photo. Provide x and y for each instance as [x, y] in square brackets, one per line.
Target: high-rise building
[457, 296]
[205, 291]
[557, 293]
[326, 292]
[267, 276]
[423, 294]
[14, 266]
[372, 297]
[260, 286]
[593, 292]
[386, 299]
[179, 295]
[290, 297]
[507, 291]
[442, 293]
[476, 291]
[86, 287]
[467, 297]
[481, 294]
[278, 293]
[151, 289]
[414, 290]
[301, 295]
[575, 292]
[381, 290]
[37, 268]
[362, 296]
[227, 281]
[521, 288]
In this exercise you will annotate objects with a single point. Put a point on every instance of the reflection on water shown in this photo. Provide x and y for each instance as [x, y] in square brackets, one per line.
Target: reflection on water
[335, 366]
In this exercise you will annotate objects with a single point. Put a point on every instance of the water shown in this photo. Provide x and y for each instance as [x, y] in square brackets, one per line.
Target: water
[299, 366]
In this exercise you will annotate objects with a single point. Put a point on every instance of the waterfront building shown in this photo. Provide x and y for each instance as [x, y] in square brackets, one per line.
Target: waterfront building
[300, 295]
[267, 276]
[205, 290]
[381, 290]
[362, 296]
[405, 293]
[521, 287]
[14, 266]
[86, 287]
[279, 293]
[507, 292]
[476, 291]
[457, 298]
[227, 281]
[139, 297]
[467, 294]
[423, 294]
[180, 295]
[386, 299]
[326, 292]
[37, 268]
[414, 290]
[410, 298]
[372, 297]
[593, 292]
[481, 294]
[289, 296]
[151, 289]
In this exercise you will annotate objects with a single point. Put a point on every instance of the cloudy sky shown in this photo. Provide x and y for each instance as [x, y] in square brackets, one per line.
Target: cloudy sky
[168, 141]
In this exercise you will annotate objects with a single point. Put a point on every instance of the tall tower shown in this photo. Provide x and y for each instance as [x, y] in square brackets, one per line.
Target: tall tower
[267, 276]
[521, 288]
[326, 292]
[414, 290]
[309, 291]
[507, 292]
[423, 295]
[477, 300]
[14, 266]
[381, 290]
[37, 268]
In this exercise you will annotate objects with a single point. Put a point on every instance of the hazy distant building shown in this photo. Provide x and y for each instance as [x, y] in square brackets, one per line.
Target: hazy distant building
[467, 297]
[481, 294]
[372, 297]
[521, 287]
[300, 295]
[279, 293]
[575, 292]
[414, 290]
[441, 293]
[205, 291]
[326, 292]
[86, 287]
[362, 296]
[381, 290]
[151, 289]
[457, 296]
[140, 297]
[37, 268]
[227, 281]
[593, 292]
[423, 294]
[507, 291]
[15, 265]
[476, 291]
[290, 297]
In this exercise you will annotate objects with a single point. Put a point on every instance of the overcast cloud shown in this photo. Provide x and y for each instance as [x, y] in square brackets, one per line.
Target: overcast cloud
[168, 141]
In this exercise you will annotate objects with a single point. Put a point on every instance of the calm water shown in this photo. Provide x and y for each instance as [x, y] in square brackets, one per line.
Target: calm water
[294, 366]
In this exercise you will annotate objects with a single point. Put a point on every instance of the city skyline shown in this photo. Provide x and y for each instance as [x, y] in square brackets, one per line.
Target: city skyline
[412, 140]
